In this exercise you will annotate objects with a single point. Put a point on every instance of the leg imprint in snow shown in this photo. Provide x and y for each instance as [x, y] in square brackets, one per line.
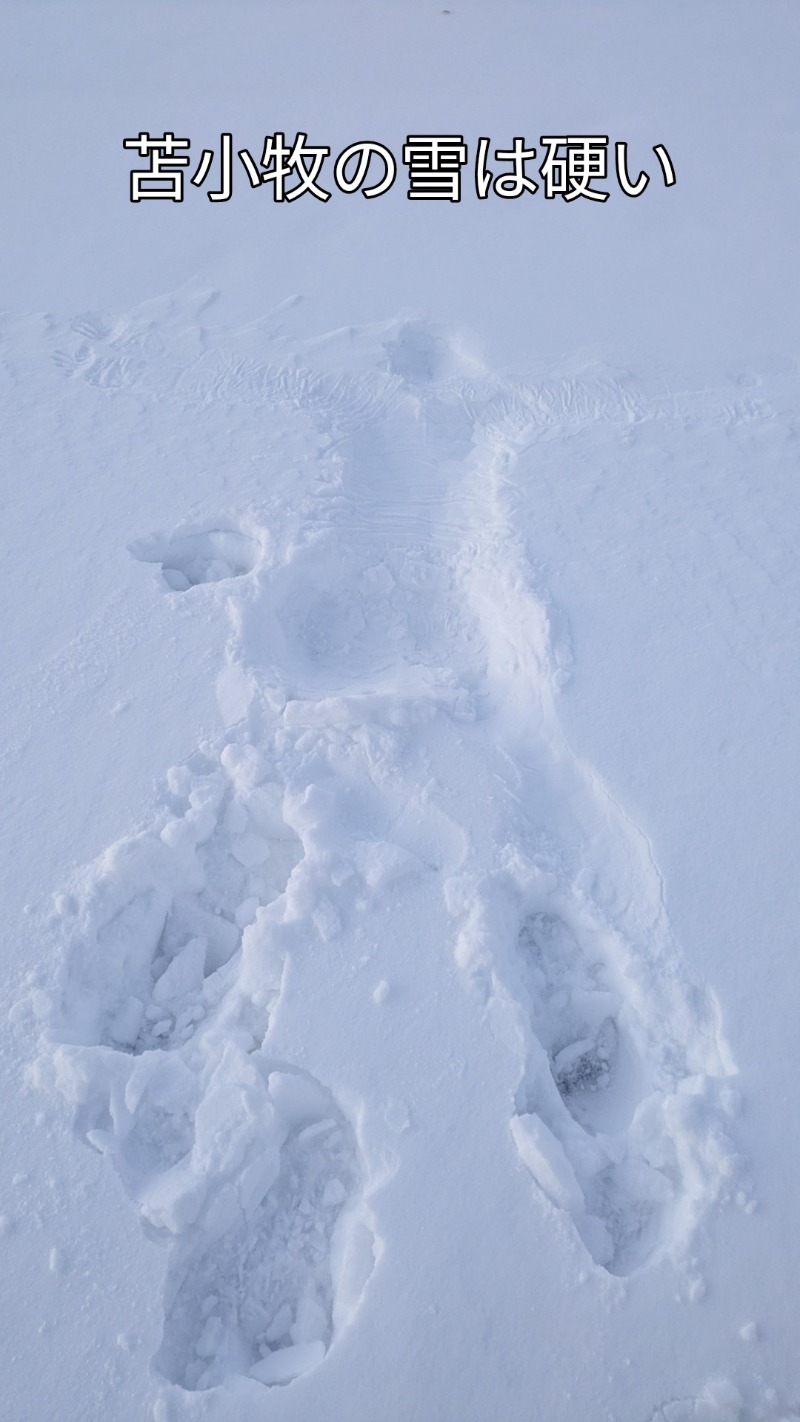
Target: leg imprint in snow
[165, 911]
[249, 1170]
[624, 1144]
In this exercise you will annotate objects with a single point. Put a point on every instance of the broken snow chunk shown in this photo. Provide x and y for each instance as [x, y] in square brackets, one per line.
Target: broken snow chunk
[380, 863]
[326, 920]
[280, 1325]
[245, 765]
[211, 1337]
[190, 919]
[723, 1394]
[246, 912]
[547, 1162]
[311, 1324]
[184, 975]
[179, 833]
[334, 1194]
[297, 1098]
[99, 1140]
[175, 579]
[597, 1239]
[695, 1289]
[319, 1128]
[250, 849]
[127, 1023]
[381, 992]
[235, 818]
[179, 780]
[265, 809]
[288, 1363]
[184, 1022]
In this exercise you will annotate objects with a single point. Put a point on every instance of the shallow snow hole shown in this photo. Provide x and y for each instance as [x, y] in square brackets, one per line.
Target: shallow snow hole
[194, 558]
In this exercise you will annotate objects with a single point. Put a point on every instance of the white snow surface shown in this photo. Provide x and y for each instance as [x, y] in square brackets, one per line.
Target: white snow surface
[400, 731]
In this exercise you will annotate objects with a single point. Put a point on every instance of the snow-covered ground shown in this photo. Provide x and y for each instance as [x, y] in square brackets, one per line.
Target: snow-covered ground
[399, 739]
